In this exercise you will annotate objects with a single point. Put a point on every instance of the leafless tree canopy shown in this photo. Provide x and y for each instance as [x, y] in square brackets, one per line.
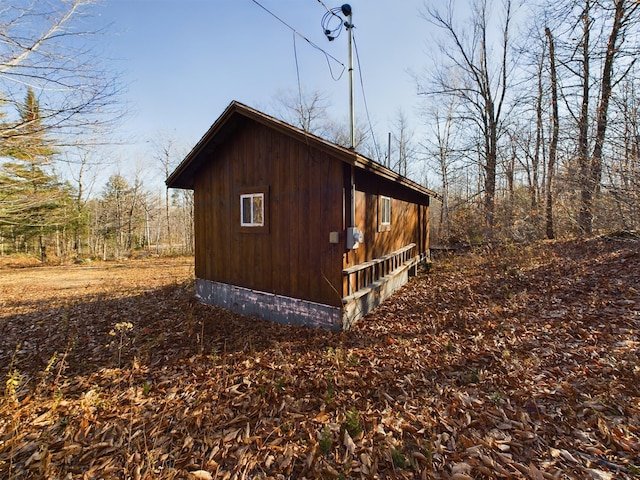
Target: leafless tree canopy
[548, 114]
[531, 113]
[46, 47]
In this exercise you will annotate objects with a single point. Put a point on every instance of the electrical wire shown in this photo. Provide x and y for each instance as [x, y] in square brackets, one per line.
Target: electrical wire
[327, 19]
[332, 32]
[364, 98]
[327, 55]
[323, 4]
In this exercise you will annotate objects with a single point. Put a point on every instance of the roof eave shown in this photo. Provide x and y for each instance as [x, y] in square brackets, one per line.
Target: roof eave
[184, 174]
[179, 177]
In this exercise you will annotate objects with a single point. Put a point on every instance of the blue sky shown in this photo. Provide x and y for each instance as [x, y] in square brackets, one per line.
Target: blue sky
[183, 61]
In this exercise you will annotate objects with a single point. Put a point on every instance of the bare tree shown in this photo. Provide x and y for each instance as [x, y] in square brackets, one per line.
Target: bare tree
[553, 144]
[307, 111]
[84, 175]
[338, 133]
[583, 119]
[440, 148]
[167, 153]
[121, 214]
[623, 17]
[44, 47]
[476, 78]
[167, 161]
[623, 171]
[595, 48]
[402, 151]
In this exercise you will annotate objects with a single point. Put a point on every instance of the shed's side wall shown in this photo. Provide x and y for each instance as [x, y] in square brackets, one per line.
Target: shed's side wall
[409, 220]
[304, 204]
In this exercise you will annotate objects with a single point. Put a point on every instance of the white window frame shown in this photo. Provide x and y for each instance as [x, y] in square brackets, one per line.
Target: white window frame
[252, 197]
[385, 200]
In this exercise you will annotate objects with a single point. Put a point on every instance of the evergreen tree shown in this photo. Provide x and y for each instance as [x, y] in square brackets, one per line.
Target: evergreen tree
[33, 199]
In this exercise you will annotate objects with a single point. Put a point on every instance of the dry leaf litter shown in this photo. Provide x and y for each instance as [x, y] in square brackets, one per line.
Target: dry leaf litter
[520, 362]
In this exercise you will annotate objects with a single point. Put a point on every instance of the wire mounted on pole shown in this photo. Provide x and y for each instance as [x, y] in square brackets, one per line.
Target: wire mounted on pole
[332, 31]
[327, 55]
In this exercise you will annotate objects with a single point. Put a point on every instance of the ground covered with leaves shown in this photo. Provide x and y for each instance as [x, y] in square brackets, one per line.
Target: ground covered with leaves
[519, 362]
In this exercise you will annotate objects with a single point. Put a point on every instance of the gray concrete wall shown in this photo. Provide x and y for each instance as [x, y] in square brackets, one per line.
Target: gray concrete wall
[268, 306]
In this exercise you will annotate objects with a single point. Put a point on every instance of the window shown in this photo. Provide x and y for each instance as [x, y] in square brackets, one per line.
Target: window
[385, 211]
[252, 210]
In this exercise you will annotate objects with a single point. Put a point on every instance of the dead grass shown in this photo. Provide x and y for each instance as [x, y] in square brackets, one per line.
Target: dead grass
[517, 363]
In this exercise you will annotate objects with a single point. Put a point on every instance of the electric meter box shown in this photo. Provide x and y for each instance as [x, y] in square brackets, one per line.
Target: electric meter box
[354, 238]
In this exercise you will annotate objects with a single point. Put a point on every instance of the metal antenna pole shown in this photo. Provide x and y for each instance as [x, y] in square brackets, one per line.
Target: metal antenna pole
[352, 112]
[346, 10]
[354, 236]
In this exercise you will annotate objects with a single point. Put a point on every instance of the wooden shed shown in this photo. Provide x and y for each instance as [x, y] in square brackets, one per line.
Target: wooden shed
[295, 229]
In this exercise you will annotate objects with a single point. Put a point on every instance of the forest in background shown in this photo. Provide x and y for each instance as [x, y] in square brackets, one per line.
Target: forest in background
[533, 133]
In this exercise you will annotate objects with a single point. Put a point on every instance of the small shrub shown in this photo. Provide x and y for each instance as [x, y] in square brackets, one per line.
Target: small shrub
[450, 346]
[325, 442]
[146, 389]
[352, 422]
[12, 385]
[330, 393]
[47, 370]
[121, 330]
[496, 397]
[472, 377]
[353, 360]
[398, 458]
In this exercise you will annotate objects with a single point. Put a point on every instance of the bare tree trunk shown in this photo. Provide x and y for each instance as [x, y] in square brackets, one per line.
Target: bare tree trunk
[586, 194]
[168, 217]
[553, 145]
[510, 166]
[483, 88]
[443, 132]
[595, 177]
[164, 155]
[591, 168]
[490, 178]
[535, 160]
[625, 174]
[80, 201]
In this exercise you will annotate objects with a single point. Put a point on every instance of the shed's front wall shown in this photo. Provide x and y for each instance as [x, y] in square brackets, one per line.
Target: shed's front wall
[291, 255]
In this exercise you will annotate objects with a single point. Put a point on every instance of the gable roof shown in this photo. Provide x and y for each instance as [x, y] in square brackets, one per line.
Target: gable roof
[184, 174]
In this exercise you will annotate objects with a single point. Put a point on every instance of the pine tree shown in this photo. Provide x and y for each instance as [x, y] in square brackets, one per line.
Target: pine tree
[33, 199]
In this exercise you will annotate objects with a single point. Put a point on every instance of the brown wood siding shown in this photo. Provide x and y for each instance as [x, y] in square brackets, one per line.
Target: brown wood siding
[409, 220]
[404, 228]
[303, 204]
